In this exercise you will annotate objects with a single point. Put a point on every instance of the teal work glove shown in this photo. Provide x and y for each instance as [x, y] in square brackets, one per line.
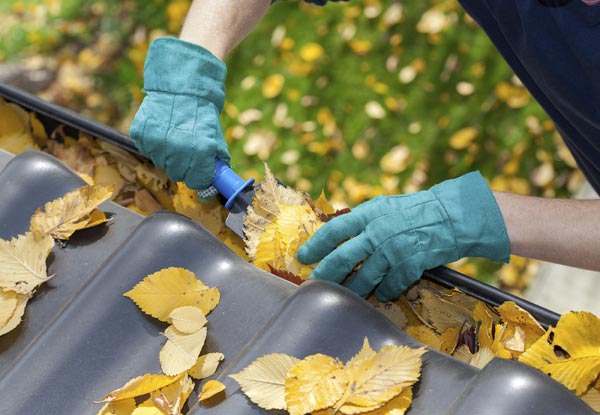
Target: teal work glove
[401, 236]
[178, 125]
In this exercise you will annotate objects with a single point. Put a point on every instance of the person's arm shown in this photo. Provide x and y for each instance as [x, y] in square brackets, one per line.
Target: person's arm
[220, 25]
[555, 230]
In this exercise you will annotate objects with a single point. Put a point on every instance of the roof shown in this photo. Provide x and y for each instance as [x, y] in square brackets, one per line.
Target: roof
[81, 338]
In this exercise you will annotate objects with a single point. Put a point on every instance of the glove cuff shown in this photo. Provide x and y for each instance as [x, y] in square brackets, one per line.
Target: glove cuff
[179, 67]
[476, 218]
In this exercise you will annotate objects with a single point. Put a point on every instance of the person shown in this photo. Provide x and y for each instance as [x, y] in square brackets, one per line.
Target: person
[553, 46]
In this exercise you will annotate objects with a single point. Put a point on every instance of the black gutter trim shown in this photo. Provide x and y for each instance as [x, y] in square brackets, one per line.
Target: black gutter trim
[491, 295]
[67, 117]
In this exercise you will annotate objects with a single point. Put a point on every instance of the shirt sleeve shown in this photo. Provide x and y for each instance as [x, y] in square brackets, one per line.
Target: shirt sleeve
[555, 52]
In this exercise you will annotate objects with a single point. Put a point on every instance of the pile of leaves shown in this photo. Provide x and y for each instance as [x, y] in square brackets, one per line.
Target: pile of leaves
[474, 332]
[279, 221]
[23, 258]
[174, 296]
[371, 383]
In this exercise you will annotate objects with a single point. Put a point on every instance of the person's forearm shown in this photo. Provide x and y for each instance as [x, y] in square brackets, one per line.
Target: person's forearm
[220, 25]
[555, 230]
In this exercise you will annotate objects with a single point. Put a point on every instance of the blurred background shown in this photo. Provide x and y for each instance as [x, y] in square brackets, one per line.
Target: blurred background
[354, 99]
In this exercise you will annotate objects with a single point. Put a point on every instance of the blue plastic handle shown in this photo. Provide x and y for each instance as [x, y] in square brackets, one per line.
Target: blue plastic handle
[228, 183]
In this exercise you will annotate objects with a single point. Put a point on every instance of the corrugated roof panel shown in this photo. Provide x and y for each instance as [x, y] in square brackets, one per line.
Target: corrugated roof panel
[81, 338]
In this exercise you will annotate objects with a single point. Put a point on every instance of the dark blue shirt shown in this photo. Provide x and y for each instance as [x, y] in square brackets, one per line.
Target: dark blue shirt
[554, 48]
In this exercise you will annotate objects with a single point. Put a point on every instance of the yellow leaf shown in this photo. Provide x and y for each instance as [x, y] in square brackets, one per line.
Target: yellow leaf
[482, 358]
[150, 176]
[172, 398]
[206, 365]
[514, 316]
[108, 175]
[324, 205]
[8, 304]
[63, 216]
[97, 217]
[514, 96]
[375, 381]
[187, 319]
[441, 312]
[273, 85]
[17, 143]
[592, 398]
[209, 214]
[569, 353]
[263, 381]
[392, 311]
[462, 138]
[147, 410]
[210, 389]
[314, 383]
[395, 406]
[123, 407]
[181, 350]
[269, 195]
[160, 293]
[139, 386]
[23, 262]
[486, 325]
[37, 129]
[365, 353]
[16, 315]
[11, 119]
[449, 340]
[360, 47]
[311, 52]
[280, 241]
[425, 335]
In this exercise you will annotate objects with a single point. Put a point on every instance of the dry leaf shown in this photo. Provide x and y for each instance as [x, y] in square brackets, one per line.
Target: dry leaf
[23, 262]
[171, 398]
[482, 358]
[147, 410]
[439, 312]
[17, 314]
[516, 317]
[140, 385]
[462, 138]
[163, 291]
[264, 208]
[181, 350]
[273, 85]
[8, 304]
[108, 175]
[210, 389]
[323, 205]
[375, 381]
[209, 213]
[279, 243]
[187, 319]
[206, 365]
[569, 353]
[366, 352]
[592, 398]
[122, 407]
[263, 381]
[314, 383]
[60, 218]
